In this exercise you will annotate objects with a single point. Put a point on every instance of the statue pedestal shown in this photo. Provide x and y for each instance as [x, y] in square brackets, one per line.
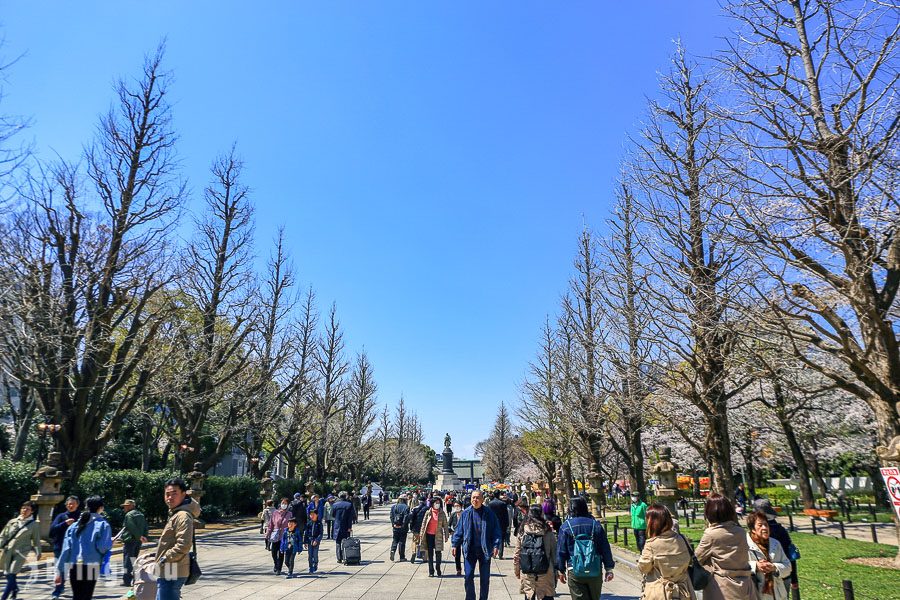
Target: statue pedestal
[447, 481]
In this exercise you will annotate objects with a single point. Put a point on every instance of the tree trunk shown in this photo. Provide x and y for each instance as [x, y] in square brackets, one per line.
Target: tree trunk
[815, 470]
[806, 491]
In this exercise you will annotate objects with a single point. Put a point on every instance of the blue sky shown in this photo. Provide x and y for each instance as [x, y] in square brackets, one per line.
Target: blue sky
[432, 163]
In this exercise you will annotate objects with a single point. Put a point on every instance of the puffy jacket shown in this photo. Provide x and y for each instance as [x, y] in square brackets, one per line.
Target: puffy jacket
[176, 540]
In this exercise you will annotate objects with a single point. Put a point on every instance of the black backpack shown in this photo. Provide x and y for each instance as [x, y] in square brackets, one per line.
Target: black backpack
[532, 558]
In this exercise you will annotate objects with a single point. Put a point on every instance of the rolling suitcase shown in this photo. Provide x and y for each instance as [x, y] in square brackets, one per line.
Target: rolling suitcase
[350, 549]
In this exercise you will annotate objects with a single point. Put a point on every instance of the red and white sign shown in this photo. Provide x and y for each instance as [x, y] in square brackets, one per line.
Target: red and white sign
[891, 477]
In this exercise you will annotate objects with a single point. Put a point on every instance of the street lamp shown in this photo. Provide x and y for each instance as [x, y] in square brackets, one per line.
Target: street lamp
[43, 430]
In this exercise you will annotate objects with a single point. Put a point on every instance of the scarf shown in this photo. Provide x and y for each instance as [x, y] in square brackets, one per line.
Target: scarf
[769, 581]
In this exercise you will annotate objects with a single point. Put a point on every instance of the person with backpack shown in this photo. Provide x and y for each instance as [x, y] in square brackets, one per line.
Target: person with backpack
[665, 559]
[399, 527]
[479, 537]
[20, 535]
[582, 553]
[86, 544]
[535, 558]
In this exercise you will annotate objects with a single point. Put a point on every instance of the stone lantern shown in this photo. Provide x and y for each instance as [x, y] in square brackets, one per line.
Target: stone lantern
[198, 478]
[48, 496]
[666, 473]
[560, 493]
[595, 492]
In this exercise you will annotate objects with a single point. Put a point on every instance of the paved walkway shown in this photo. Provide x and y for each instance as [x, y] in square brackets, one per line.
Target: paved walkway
[236, 566]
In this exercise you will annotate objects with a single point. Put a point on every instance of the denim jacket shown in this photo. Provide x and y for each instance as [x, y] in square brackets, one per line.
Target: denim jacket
[89, 547]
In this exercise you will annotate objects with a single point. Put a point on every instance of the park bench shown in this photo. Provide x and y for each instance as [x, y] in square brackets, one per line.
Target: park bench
[828, 515]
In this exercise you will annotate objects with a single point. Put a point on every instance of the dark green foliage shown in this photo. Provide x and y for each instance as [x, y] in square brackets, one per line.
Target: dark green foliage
[17, 484]
[286, 488]
[233, 495]
[210, 513]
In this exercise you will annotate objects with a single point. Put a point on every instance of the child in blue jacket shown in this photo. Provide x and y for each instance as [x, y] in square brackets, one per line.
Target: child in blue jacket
[291, 545]
[312, 537]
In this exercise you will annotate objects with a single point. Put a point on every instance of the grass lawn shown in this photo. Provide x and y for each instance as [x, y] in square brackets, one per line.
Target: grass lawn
[822, 567]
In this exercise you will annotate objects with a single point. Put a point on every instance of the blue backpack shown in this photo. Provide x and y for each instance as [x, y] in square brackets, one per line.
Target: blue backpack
[585, 561]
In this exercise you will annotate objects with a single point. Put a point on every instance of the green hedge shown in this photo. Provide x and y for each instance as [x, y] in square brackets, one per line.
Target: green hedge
[18, 485]
[231, 496]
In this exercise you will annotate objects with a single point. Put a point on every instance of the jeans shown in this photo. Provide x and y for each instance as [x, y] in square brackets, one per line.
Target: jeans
[313, 558]
[12, 586]
[473, 556]
[330, 525]
[584, 588]
[433, 555]
[640, 538]
[399, 540]
[366, 513]
[129, 553]
[289, 561]
[277, 557]
[169, 589]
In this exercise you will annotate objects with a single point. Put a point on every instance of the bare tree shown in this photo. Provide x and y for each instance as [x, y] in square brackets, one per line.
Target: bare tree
[332, 367]
[819, 83]
[218, 319]
[87, 286]
[359, 414]
[682, 182]
[582, 310]
[501, 452]
[383, 436]
[629, 346]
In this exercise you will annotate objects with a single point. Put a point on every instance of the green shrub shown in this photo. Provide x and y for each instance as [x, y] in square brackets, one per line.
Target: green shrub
[779, 496]
[233, 495]
[286, 488]
[18, 484]
[210, 513]
[146, 488]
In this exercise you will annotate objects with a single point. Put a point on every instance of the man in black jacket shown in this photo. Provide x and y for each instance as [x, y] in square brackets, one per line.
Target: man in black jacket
[344, 517]
[58, 532]
[298, 510]
[415, 523]
[498, 507]
[400, 527]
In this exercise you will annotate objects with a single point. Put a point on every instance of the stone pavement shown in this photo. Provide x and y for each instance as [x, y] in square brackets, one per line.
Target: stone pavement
[236, 566]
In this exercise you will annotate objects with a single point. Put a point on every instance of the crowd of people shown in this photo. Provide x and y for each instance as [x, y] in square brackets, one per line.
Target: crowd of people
[81, 539]
[756, 563]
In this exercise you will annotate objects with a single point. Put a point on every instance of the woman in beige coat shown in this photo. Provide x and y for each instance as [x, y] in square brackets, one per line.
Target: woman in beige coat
[536, 586]
[723, 551]
[665, 559]
[433, 534]
[19, 537]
